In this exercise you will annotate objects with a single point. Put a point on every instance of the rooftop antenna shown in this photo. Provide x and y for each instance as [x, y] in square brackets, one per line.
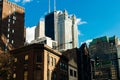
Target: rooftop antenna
[54, 5]
[48, 6]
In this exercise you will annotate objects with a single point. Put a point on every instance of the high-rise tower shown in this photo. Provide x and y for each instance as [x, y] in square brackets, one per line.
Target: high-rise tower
[11, 25]
[40, 30]
[106, 55]
[51, 25]
[63, 28]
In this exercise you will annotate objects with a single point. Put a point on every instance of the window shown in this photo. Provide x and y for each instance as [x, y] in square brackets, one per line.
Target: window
[9, 16]
[39, 58]
[13, 31]
[71, 72]
[8, 25]
[26, 57]
[12, 41]
[8, 20]
[48, 59]
[60, 64]
[13, 21]
[14, 75]
[75, 74]
[0, 9]
[8, 35]
[38, 75]
[7, 40]
[54, 76]
[14, 18]
[9, 11]
[26, 75]
[15, 59]
[8, 29]
[52, 61]
[14, 9]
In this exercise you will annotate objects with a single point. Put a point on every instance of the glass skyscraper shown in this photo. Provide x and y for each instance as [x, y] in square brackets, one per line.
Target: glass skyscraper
[63, 28]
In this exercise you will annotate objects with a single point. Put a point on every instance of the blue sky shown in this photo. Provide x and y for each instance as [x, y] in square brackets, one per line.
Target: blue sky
[102, 17]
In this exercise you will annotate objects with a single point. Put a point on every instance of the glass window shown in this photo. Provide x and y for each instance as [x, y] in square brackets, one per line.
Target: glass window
[52, 61]
[8, 35]
[75, 74]
[8, 29]
[65, 66]
[14, 17]
[9, 16]
[14, 13]
[15, 59]
[13, 31]
[38, 75]
[26, 57]
[13, 22]
[71, 72]
[54, 75]
[9, 11]
[8, 25]
[48, 59]
[12, 41]
[8, 20]
[7, 40]
[14, 75]
[14, 9]
[39, 58]
[26, 75]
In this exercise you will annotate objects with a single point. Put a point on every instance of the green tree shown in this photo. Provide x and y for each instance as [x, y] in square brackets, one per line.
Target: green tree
[6, 61]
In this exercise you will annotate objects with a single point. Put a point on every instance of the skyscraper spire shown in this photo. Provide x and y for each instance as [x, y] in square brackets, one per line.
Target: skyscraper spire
[48, 6]
[54, 5]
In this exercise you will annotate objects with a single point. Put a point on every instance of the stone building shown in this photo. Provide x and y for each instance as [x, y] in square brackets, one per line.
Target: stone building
[71, 54]
[39, 62]
[11, 25]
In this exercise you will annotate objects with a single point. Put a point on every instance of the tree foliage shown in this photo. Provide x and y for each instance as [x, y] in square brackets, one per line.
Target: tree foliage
[6, 62]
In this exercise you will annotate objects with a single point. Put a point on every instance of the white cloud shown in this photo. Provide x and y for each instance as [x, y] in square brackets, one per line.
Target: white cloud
[87, 41]
[16, 0]
[79, 33]
[21, 1]
[80, 22]
[26, 1]
[30, 33]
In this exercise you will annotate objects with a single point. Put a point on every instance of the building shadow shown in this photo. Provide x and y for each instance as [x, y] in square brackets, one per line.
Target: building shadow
[11, 30]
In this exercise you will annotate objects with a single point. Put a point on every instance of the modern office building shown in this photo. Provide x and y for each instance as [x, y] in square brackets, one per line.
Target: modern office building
[39, 62]
[62, 28]
[40, 30]
[104, 51]
[45, 40]
[11, 25]
[51, 25]
[118, 58]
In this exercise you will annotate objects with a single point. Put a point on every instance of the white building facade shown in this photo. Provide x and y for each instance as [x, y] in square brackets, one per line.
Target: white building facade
[40, 30]
[45, 40]
[67, 30]
[63, 29]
